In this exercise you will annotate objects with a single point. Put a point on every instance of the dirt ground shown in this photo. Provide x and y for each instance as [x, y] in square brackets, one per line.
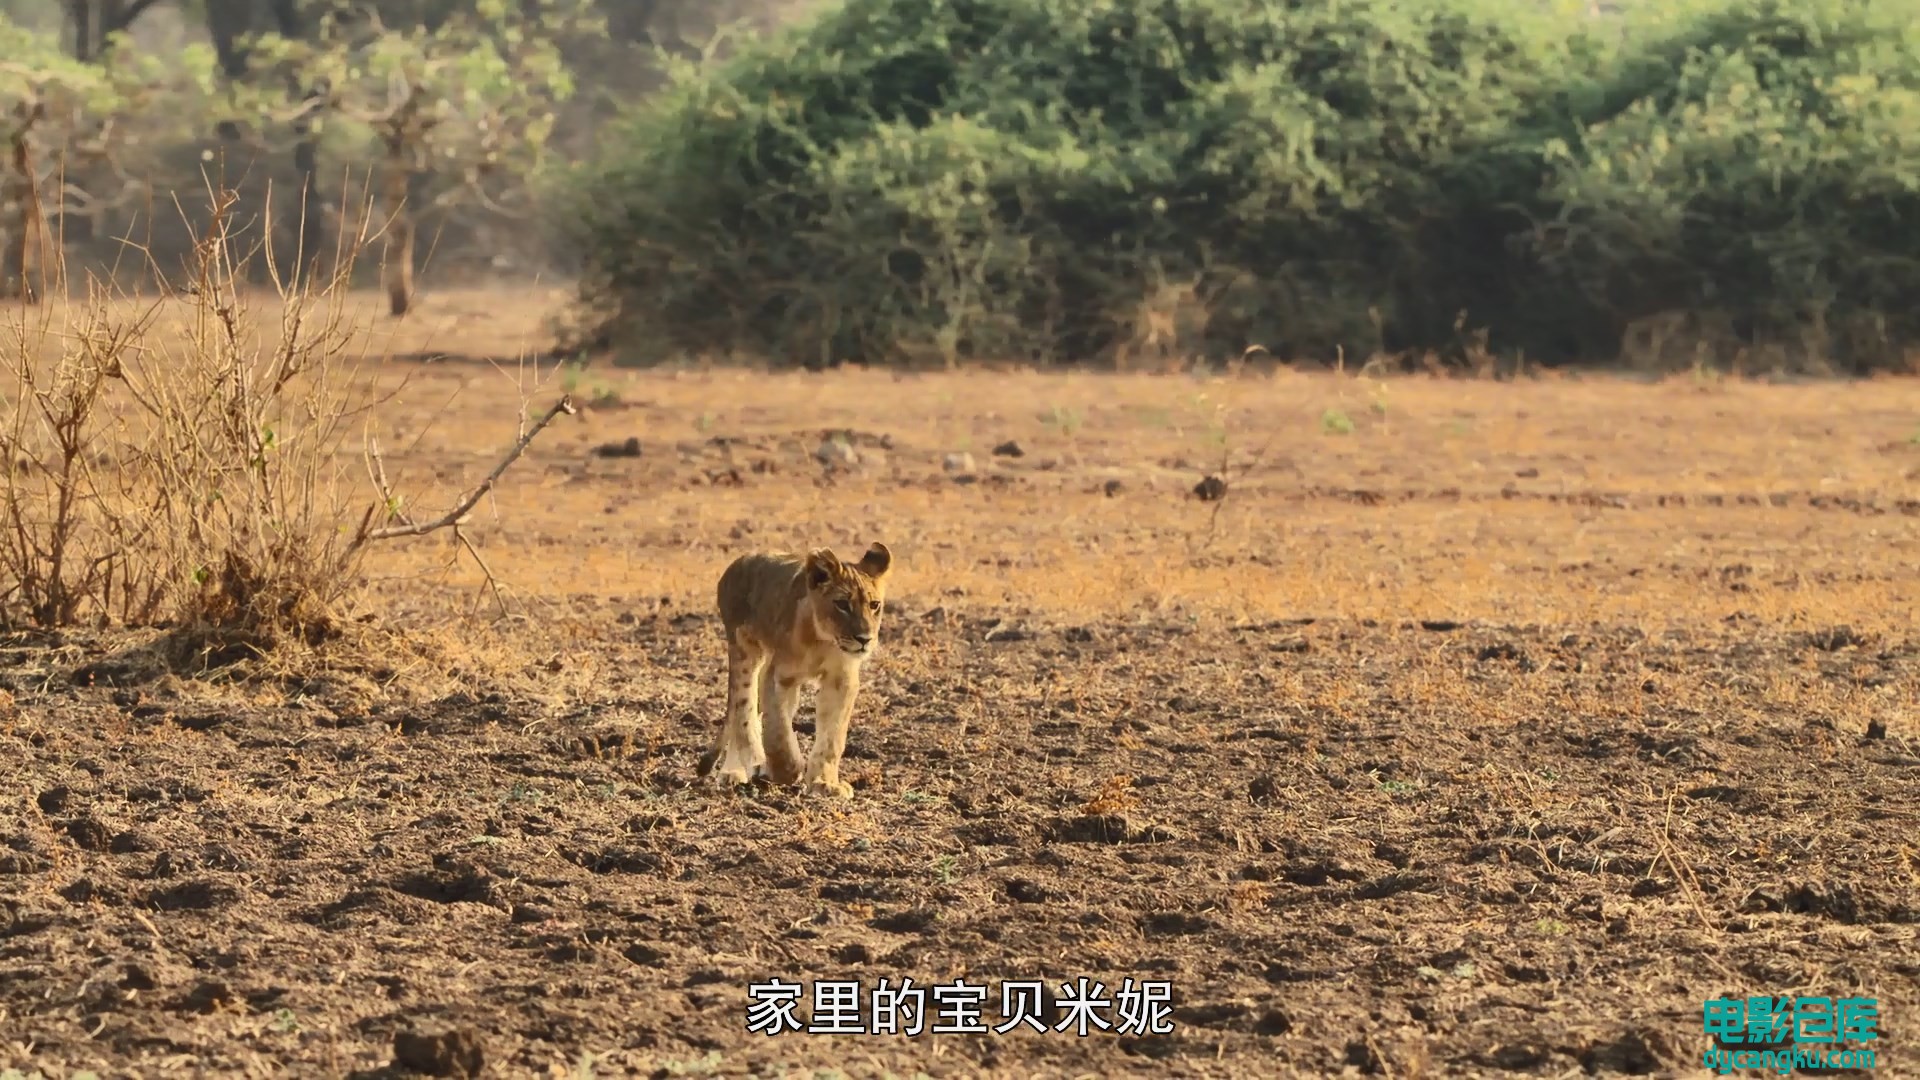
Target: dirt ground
[1481, 728]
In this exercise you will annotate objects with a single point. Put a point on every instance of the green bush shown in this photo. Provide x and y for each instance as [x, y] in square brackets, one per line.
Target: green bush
[1013, 178]
[1757, 164]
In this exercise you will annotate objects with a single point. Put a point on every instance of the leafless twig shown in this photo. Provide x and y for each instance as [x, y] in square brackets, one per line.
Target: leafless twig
[459, 513]
[377, 472]
[1682, 873]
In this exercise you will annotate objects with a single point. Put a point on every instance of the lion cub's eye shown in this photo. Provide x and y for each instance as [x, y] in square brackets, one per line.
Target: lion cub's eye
[843, 606]
[873, 606]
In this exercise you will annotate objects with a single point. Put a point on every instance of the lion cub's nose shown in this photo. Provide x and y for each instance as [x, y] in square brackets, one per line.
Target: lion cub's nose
[862, 639]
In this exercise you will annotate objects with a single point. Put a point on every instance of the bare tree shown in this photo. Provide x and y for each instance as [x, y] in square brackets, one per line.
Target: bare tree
[457, 108]
[60, 115]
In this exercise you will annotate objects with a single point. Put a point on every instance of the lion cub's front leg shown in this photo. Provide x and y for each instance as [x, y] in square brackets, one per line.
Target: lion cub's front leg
[779, 704]
[739, 751]
[832, 713]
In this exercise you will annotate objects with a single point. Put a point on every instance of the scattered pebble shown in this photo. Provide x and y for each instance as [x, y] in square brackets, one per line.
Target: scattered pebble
[835, 452]
[627, 448]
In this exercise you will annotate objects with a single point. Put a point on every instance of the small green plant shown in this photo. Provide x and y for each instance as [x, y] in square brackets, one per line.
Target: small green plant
[1066, 420]
[1335, 422]
[576, 382]
[284, 1022]
[944, 867]
[523, 792]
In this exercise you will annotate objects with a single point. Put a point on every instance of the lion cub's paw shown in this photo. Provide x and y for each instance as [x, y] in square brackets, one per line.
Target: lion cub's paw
[837, 788]
[728, 779]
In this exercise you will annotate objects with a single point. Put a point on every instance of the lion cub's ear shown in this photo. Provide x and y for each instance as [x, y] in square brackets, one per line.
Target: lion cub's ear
[822, 567]
[876, 562]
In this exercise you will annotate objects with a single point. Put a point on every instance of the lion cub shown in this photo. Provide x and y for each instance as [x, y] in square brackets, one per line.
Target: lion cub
[792, 622]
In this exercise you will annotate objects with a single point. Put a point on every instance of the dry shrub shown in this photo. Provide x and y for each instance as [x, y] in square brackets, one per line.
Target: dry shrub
[179, 460]
[65, 545]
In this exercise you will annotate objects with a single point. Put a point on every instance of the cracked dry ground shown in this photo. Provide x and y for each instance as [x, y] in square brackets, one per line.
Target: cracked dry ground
[1438, 780]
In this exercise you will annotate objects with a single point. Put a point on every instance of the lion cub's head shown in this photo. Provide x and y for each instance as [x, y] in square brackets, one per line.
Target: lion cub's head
[845, 598]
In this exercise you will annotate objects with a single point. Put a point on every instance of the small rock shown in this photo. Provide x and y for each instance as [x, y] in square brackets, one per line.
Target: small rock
[529, 913]
[137, 978]
[834, 452]
[961, 462]
[88, 834]
[1273, 1022]
[644, 955]
[1023, 891]
[208, 996]
[1499, 650]
[1876, 729]
[1112, 488]
[172, 864]
[129, 842]
[447, 1053]
[629, 448]
[1262, 789]
[1210, 489]
[55, 799]
[1527, 473]
[1009, 449]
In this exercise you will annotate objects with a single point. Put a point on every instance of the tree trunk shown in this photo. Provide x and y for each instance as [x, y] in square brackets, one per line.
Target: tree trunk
[310, 233]
[81, 12]
[397, 264]
[25, 269]
[228, 24]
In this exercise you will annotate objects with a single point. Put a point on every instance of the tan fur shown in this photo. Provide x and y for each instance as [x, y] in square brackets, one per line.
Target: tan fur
[792, 622]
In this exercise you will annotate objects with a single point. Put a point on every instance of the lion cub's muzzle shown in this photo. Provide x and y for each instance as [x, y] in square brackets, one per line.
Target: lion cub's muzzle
[857, 644]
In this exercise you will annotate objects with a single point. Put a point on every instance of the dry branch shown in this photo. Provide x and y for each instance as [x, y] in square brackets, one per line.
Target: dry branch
[459, 513]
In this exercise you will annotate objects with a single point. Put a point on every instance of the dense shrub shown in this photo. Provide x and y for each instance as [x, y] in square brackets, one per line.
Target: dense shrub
[1013, 178]
[1758, 166]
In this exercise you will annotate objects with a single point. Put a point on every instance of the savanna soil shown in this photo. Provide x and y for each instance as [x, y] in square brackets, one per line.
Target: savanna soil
[1482, 728]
